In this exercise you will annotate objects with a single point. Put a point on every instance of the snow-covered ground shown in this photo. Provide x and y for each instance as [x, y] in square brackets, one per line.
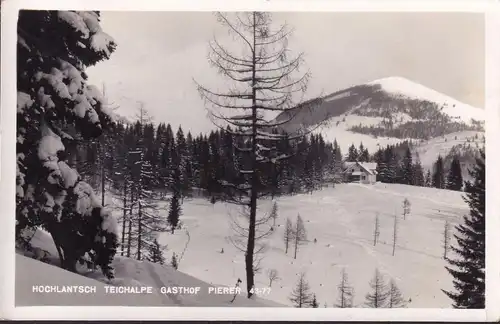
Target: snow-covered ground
[428, 151]
[128, 273]
[341, 219]
[337, 129]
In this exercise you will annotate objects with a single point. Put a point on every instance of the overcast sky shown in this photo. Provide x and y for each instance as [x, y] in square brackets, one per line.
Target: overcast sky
[159, 54]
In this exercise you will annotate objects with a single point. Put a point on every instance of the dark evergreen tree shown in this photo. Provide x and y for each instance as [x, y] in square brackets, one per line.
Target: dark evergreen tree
[428, 179]
[174, 262]
[314, 302]
[454, 180]
[174, 212]
[418, 173]
[352, 155]
[408, 173]
[438, 180]
[468, 269]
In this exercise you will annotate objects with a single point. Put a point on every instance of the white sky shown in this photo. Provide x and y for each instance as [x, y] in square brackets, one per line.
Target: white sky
[159, 54]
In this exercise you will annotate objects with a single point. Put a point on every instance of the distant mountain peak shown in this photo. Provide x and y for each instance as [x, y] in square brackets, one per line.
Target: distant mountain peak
[400, 86]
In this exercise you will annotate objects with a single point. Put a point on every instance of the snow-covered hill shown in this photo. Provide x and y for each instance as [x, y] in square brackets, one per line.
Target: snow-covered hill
[341, 219]
[128, 273]
[386, 111]
[399, 86]
[465, 144]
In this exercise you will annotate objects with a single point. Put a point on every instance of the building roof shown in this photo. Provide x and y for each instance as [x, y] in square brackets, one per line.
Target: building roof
[368, 167]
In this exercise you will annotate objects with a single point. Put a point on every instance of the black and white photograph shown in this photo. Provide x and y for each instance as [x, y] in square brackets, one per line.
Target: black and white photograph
[250, 159]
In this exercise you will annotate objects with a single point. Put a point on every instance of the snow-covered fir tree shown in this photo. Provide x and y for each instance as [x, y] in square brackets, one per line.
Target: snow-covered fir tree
[468, 268]
[55, 108]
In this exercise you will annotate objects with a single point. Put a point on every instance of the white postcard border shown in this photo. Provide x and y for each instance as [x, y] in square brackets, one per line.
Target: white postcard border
[8, 167]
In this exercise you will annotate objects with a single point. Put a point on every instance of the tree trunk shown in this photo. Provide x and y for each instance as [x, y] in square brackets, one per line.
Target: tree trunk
[124, 223]
[103, 181]
[296, 245]
[254, 181]
[139, 232]
[129, 235]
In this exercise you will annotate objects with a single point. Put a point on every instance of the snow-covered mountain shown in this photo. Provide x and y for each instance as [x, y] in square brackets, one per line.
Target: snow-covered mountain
[386, 111]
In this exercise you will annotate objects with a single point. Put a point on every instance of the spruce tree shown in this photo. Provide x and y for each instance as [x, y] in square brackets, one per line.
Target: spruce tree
[352, 155]
[428, 179]
[408, 173]
[418, 173]
[174, 212]
[56, 108]
[314, 302]
[438, 179]
[468, 268]
[454, 180]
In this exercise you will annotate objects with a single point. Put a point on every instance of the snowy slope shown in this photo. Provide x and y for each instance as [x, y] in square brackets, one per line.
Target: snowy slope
[428, 151]
[403, 87]
[342, 221]
[128, 272]
[337, 128]
[371, 105]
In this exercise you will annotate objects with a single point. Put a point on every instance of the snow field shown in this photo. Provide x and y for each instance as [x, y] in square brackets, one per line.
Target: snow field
[342, 220]
[128, 273]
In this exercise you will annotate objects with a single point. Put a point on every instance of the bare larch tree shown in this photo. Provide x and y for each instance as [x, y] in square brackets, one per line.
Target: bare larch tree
[288, 234]
[299, 235]
[395, 234]
[395, 298]
[377, 298]
[406, 207]
[262, 79]
[346, 292]
[376, 232]
[446, 239]
[272, 275]
[301, 295]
